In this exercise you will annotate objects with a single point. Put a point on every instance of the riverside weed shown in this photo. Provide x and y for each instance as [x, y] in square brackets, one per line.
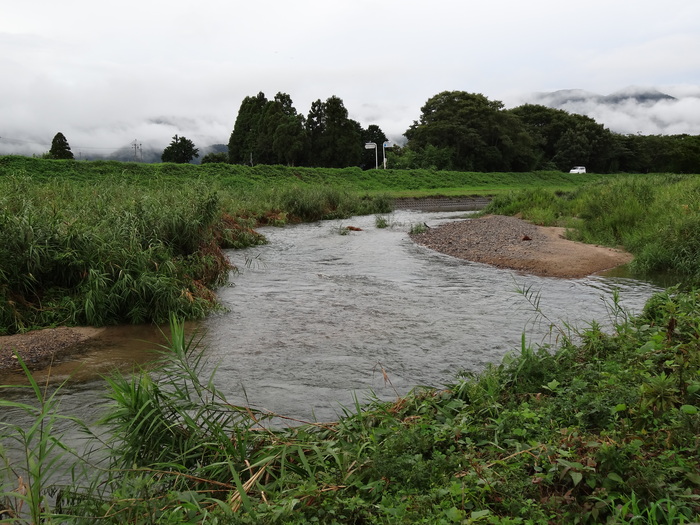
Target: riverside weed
[418, 228]
[509, 444]
[27, 484]
[381, 221]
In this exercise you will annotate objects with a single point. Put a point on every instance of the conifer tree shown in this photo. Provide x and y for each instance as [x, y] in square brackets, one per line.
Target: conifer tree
[60, 149]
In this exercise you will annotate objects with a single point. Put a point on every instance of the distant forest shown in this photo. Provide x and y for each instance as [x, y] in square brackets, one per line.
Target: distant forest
[455, 131]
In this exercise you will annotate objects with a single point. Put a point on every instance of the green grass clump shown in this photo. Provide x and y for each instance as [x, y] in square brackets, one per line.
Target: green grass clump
[381, 221]
[602, 430]
[94, 246]
[105, 253]
[418, 228]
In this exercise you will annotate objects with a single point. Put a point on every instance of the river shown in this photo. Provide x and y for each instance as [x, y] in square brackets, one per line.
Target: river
[316, 317]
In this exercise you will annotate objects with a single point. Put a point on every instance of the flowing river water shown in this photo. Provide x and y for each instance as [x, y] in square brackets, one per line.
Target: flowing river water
[316, 317]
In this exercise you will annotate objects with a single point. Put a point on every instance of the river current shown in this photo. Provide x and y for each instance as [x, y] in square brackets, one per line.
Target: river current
[316, 317]
[322, 315]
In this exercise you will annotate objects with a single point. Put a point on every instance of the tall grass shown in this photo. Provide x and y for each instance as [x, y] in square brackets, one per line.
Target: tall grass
[27, 483]
[114, 250]
[600, 431]
[104, 253]
[655, 217]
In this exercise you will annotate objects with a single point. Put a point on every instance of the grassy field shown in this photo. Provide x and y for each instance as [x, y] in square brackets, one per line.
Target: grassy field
[601, 429]
[238, 178]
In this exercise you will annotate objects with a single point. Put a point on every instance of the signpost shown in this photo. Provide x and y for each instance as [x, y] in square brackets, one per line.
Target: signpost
[386, 145]
[372, 145]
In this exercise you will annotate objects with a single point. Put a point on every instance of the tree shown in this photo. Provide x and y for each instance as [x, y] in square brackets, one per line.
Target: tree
[181, 150]
[479, 133]
[60, 148]
[546, 126]
[281, 135]
[584, 143]
[315, 128]
[243, 143]
[335, 141]
[562, 140]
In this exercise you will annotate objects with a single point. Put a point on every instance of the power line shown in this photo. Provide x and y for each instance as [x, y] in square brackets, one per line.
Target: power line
[138, 150]
[48, 145]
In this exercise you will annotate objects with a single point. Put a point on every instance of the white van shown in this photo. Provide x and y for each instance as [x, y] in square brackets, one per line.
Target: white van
[578, 169]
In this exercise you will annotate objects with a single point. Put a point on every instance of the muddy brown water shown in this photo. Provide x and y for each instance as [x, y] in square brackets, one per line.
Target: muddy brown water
[316, 318]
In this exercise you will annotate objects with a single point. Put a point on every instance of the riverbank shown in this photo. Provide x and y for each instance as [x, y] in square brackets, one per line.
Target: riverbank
[505, 242]
[39, 348]
[509, 242]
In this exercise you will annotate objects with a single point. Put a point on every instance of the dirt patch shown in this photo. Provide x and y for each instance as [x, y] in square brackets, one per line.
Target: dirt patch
[509, 242]
[40, 347]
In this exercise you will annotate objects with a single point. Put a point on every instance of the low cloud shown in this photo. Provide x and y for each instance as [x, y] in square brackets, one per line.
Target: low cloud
[668, 111]
[101, 123]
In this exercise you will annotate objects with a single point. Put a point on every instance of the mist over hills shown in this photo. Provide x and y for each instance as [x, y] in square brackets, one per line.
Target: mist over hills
[670, 110]
[563, 97]
[633, 110]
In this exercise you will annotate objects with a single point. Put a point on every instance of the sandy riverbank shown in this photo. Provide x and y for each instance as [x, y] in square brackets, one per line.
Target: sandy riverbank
[509, 242]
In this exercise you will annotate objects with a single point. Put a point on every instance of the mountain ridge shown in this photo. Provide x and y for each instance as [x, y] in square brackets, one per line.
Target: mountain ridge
[563, 97]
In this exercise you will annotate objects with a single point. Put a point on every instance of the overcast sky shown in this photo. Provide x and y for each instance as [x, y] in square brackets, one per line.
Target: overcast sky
[107, 73]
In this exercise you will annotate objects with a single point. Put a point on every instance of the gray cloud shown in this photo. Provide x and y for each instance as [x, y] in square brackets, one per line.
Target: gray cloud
[105, 75]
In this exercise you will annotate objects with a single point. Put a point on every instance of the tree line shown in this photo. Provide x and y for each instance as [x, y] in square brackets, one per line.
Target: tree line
[274, 132]
[456, 130]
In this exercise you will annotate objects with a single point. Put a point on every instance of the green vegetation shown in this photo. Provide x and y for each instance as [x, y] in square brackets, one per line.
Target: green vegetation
[60, 149]
[380, 221]
[603, 428]
[655, 217]
[418, 228]
[181, 151]
[239, 178]
[103, 243]
[600, 431]
[273, 132]
[108, 242]
[455, 131]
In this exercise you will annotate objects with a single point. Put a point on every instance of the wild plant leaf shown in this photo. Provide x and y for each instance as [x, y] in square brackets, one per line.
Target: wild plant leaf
[576, 477]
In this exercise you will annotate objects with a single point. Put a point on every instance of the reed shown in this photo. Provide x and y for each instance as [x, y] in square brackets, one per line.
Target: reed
[27, 477]
[112, 250]
[104, 253]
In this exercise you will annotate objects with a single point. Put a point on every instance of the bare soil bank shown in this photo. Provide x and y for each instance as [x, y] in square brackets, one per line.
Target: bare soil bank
[40, 347]
[509, 242]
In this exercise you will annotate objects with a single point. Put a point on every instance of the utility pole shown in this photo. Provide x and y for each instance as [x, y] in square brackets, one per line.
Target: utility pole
[138, 150]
